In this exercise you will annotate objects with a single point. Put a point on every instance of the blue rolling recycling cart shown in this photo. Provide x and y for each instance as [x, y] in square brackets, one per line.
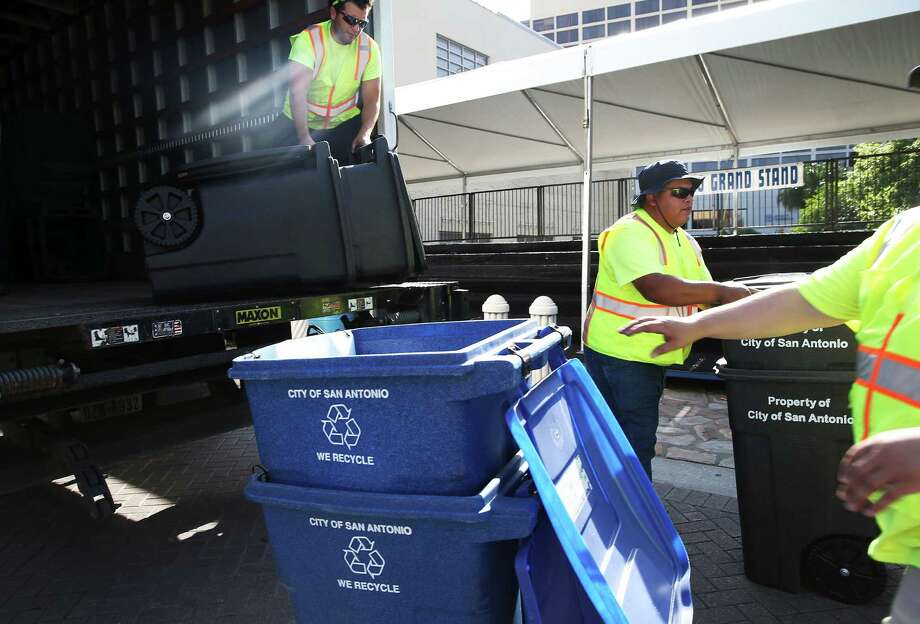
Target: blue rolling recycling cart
[355, 557]
[404, 409]
[404, 543]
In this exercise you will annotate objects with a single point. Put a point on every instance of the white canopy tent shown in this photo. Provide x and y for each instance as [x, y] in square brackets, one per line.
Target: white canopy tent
[784, 74]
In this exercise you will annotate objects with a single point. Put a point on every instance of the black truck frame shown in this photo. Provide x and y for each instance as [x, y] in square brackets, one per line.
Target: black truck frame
[101, 366]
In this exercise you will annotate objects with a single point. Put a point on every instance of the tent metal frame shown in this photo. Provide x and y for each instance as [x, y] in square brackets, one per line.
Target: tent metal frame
[811, 16]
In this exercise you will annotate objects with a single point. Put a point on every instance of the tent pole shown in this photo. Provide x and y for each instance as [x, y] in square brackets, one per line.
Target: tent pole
[587, 122]
[736, 196]
[431, 146]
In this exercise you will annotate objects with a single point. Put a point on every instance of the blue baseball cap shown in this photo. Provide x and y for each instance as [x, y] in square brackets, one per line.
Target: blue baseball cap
[654, 177]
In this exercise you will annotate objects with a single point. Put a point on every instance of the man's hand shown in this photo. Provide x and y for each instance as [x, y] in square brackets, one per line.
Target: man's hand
[677, 332]
[360, 141]
[733, 291]
[888, 463]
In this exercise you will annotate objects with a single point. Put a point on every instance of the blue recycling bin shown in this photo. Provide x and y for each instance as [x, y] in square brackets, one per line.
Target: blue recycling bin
[350, 557]
[594, 545]
[605, 551]
[406, 409]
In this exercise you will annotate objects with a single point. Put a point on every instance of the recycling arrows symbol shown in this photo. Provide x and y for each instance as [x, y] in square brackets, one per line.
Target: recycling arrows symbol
[340, 428]
[363, 558]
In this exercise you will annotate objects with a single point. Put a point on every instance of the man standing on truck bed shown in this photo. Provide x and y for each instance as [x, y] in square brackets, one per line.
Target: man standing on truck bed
[333, 65]
[648, 265]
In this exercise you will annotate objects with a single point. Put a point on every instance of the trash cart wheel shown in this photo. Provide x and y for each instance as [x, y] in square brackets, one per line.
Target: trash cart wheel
[839, 568]
[167, 217]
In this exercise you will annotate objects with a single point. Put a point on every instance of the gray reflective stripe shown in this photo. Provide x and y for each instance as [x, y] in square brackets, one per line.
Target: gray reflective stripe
[894, 376]
[335, 110]
[587, 328]
[901, 226]
[696, 248]
[363, 59]
[609, 304]
[864, 364]
[319, 50]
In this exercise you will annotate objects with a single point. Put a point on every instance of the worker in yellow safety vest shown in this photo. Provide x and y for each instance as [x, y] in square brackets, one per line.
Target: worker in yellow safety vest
[647, 265]
[334, 66]
[878, 285]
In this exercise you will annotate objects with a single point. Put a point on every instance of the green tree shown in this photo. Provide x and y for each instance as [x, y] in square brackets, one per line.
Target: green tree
[871, 191]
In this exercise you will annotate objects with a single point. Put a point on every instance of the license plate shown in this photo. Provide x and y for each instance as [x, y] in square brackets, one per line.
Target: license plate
[113, 408]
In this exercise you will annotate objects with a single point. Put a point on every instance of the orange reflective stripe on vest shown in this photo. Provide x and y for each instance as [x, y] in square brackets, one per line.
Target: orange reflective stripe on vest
[319, 48]
[662, 253]
[330, 110]
[364, 55]
[890, 374]
[633, 309]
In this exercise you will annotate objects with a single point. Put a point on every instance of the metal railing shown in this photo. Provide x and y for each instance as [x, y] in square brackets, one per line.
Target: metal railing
[855, 192]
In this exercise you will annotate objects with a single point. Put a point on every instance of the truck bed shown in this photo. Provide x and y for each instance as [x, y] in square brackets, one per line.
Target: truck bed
[104, 305]
[29, 307]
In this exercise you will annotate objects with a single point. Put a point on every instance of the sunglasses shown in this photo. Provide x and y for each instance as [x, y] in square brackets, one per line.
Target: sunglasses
[681, 193]
[353, 21]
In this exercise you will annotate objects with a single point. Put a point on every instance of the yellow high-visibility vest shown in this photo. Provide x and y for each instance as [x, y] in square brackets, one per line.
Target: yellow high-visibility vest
[613, 304]
[338, 72]
[886, 394]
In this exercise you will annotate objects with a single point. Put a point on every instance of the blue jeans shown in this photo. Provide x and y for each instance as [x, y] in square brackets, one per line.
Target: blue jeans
[632, 391]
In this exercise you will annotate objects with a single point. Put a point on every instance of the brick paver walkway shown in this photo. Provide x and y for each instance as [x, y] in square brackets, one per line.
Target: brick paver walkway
[693, 424]
[186, 547]
[708, 525]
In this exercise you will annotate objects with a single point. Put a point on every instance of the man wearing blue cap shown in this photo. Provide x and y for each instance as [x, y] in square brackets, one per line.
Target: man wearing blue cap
[648, 266]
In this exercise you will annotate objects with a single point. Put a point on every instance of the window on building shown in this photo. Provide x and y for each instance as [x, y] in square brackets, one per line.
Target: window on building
[550, 35]
[795, 157]
[838, 151]
[647, 6]
[453, 57]
[704, 11]
[526, 23]
[593, 16]
[567, 21]
[647, 22]
[667, 18]
[696, 2]
[567, 36]
[763, 161]
[704, 165]
[592, 32]
[667, 5]
[547, 23]
[618, 11]
[618, 28]
[733, 5]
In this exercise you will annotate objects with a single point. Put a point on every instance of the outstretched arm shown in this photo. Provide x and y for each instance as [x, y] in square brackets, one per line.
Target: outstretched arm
[670, 290]
[775, 312]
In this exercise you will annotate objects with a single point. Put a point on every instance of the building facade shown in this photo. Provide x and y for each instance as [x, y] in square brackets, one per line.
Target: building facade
[436, 39]
[571, 22]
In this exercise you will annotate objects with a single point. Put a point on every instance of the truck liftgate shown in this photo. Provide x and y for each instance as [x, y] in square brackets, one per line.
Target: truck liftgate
[102, 367]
